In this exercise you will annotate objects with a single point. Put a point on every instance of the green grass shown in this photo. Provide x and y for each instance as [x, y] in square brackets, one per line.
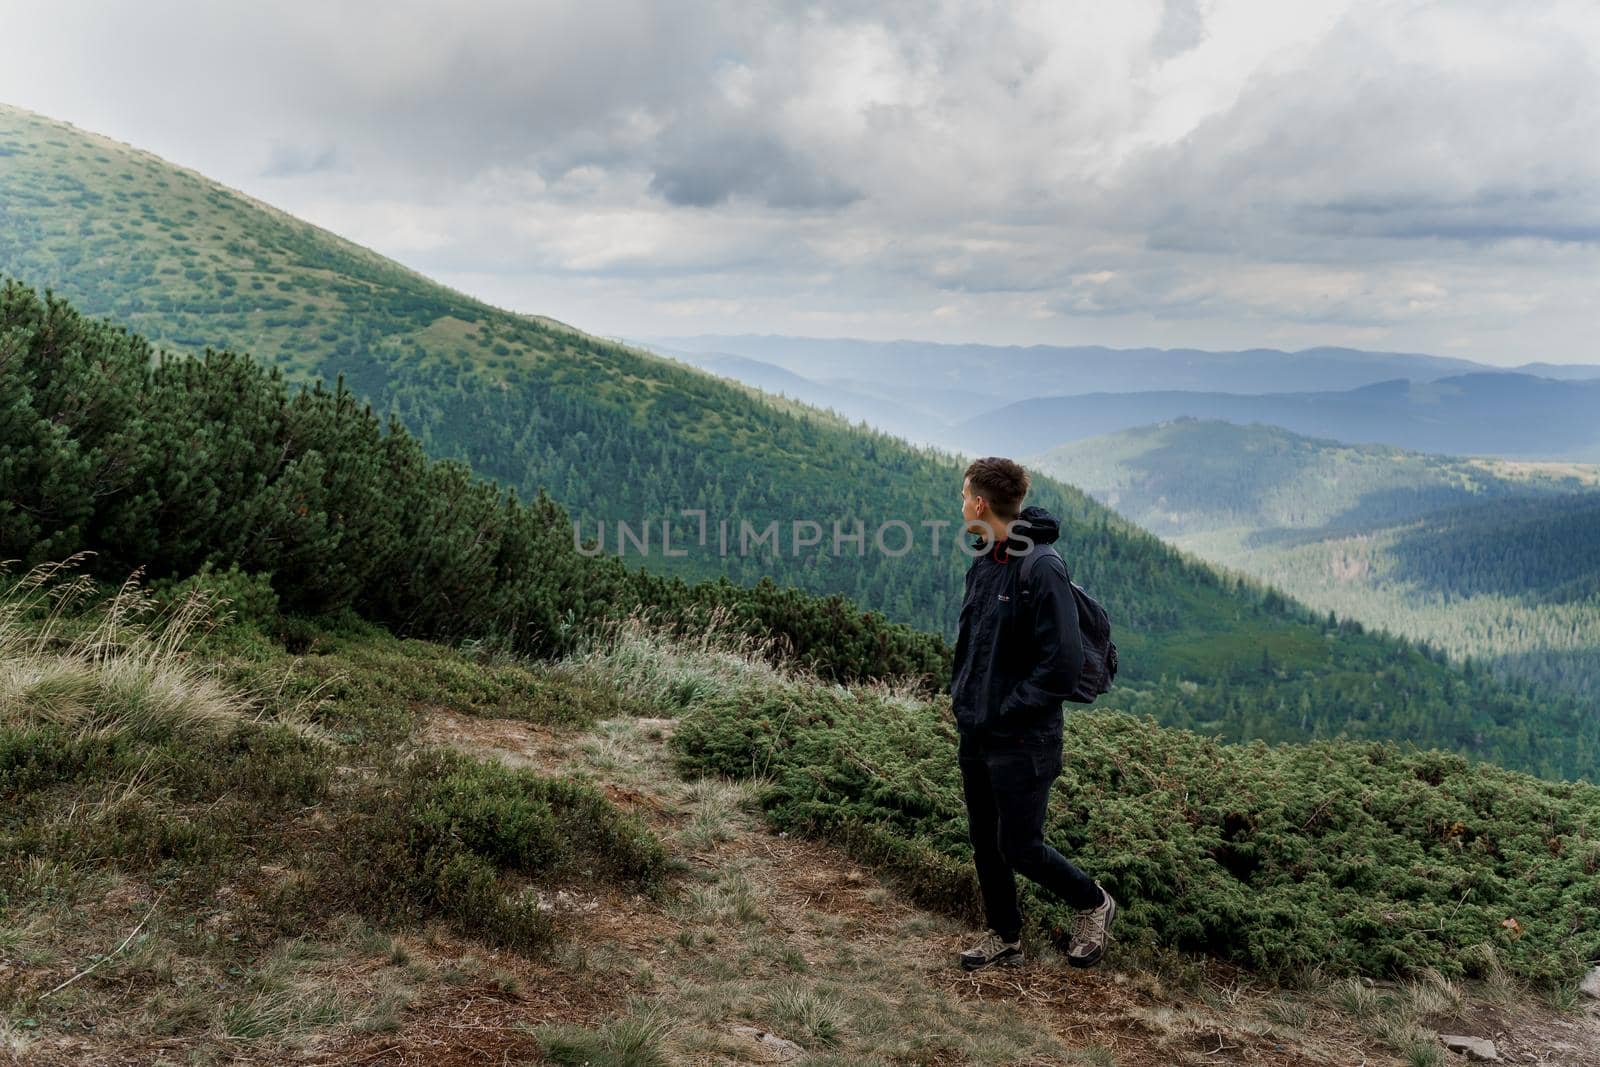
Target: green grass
[634, 1040]
[1351, 858]
[359, 680]
[235, 812]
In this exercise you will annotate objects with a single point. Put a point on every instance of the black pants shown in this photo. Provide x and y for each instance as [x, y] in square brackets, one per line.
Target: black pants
[1007, 788]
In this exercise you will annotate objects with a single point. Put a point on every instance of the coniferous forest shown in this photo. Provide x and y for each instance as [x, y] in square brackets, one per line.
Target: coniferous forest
[613, 434]
[394, 673]
[1484, 559]
[177, 464]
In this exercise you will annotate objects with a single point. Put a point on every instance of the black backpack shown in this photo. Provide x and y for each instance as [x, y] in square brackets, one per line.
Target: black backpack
[1099, 651]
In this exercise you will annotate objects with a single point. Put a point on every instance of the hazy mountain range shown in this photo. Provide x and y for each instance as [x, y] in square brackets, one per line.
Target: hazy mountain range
[981, 398]
[1192, 476]
[1511, 415]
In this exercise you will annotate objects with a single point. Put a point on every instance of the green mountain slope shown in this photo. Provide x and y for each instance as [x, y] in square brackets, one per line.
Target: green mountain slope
[620, 434]
[1187, 476]
[1481, 558]
[615, 433]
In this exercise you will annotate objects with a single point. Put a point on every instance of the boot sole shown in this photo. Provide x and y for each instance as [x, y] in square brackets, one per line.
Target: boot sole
[1004, 961]
[1091, 960]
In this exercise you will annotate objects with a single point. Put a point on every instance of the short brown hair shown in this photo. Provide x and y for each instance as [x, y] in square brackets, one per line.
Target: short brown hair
[1002, 482]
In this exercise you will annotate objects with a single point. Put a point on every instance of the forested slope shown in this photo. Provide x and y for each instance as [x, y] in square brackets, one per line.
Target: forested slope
[1487, 559]
[617, 434]
[216, 462]
[613, 433]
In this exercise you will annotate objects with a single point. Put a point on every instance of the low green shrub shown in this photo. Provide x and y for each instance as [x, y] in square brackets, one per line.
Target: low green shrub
[439, 834]
[444, 840]
[119, 752]
[1360, 858]
[244, 602]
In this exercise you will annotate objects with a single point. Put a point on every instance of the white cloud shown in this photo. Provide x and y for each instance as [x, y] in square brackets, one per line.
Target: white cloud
[1187, 172]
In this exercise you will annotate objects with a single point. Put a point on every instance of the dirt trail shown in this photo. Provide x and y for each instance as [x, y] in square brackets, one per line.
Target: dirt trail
[833, 924]
[774, 949]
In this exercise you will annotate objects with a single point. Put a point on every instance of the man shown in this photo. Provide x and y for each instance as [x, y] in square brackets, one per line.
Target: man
[1017, 657]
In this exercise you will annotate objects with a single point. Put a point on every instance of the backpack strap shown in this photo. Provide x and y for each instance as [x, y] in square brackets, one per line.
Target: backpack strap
[1030, 561]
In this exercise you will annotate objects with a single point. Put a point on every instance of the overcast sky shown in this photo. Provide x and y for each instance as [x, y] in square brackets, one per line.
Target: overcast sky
[1398, 175]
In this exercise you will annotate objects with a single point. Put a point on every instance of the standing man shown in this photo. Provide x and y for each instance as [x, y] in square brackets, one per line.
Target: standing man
[1017, 657]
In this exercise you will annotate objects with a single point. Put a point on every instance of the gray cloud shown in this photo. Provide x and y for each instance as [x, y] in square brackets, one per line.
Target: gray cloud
[1221, 172]
[704, 167]
[1362, 139]
[288, 161]
[1182, 27]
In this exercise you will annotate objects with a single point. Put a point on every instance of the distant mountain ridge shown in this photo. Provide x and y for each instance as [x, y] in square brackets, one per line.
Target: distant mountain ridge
[1017, 372]
[853, 404]
[1500, 414]
[948, 395]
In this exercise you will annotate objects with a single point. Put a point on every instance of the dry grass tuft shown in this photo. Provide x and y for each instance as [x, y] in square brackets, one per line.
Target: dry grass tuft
[122, 672]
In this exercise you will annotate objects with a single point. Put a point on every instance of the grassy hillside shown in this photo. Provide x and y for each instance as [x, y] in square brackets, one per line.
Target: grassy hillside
[222, 848]
[616, 433]
[1482, 558]
[303, 496]
[201, 823]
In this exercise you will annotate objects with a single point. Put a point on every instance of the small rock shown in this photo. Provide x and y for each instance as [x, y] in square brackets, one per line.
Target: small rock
[782, 1048]
[1474, 1048]
[563, 901]
[1591, 983]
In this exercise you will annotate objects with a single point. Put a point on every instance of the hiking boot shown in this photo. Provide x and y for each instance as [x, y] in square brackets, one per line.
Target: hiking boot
[1091, 929]
[992, 950]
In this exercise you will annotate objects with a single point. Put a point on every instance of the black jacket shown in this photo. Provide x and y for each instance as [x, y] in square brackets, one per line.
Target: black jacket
[1019, 651]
